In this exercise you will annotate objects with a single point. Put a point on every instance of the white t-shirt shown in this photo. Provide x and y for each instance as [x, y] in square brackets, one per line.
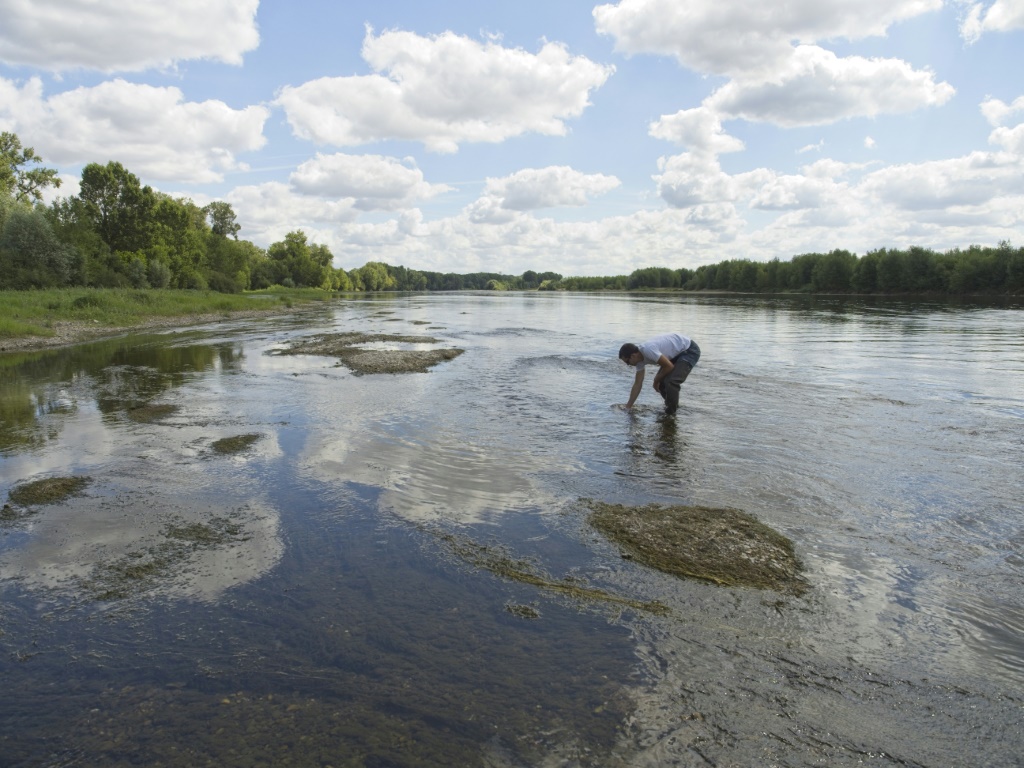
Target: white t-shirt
[668, 344]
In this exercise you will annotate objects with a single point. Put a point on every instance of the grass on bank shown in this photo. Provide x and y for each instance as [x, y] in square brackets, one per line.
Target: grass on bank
[34, 313]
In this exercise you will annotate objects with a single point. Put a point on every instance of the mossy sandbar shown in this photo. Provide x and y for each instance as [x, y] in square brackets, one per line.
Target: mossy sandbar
[351, 352]
[722, 546]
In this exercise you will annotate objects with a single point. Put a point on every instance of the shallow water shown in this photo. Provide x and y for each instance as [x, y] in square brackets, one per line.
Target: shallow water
[339, 628]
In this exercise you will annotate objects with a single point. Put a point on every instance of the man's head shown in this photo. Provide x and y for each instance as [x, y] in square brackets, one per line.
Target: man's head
[630, 354]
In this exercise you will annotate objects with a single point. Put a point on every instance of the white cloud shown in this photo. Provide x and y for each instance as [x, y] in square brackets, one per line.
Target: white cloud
[978, 197]
[811, 148]
[373, 182]
[744, 37]
[1001, 16]
[826, 204]
[443, 91]
[693, 179]
[815, 87]
[998, 112]
[152, 131]
[1010, 139]
[699, 129]
[966, 185]
[112, 35]
[269, 211]
[615, 245]
[869, 143]
[798, 191]
[972, 181]
[534, 188]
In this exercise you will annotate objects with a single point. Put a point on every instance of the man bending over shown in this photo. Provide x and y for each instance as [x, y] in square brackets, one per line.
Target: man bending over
[675, 357]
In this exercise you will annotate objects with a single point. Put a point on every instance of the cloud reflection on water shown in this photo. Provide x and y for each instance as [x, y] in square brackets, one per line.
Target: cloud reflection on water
[429, 475]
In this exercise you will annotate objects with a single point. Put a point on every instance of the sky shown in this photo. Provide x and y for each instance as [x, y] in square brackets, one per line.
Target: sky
[577, 137]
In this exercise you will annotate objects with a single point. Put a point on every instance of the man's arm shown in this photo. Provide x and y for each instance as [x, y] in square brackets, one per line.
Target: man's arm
[664, 369]
[638, 384]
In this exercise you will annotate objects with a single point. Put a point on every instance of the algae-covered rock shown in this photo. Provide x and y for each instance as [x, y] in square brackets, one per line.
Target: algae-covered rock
[236, 443]
[722, 546]
[49, 490]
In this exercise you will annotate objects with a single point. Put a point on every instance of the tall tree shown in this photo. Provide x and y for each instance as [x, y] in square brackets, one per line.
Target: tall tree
[16, 180]
[119, 206]
[31, 255]
[221, 217]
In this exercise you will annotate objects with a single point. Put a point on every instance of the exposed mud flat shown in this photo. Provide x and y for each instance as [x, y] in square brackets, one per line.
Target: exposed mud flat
[349, 349]
[721, 546]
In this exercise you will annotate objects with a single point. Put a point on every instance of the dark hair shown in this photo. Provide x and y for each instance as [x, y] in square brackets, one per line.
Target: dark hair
[627, 349]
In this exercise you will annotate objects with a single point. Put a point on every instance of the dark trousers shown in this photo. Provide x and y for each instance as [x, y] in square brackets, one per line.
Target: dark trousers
[682, 364]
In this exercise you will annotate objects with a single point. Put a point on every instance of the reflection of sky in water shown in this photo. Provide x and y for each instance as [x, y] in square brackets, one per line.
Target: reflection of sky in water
[73, 541]
[428, 476]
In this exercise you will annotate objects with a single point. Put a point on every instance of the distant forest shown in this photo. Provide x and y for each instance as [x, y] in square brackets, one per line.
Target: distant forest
[117, 233]
[975, 270]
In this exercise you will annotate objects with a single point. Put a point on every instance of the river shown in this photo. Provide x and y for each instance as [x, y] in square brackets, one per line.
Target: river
[309, 600]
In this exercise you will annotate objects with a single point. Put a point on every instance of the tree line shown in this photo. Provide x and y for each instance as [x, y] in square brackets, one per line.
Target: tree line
[118, 233]
[975, 270]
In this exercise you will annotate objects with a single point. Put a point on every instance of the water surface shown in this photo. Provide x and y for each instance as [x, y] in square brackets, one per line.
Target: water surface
[335, 626]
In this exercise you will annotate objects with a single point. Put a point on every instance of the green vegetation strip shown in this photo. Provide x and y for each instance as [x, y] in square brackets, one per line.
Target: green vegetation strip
[721, 546]
[499, 562]
[36, 313]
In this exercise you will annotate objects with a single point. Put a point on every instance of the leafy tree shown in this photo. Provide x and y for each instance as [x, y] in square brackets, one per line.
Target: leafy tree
[865, 273]
[341, 281]
[303, 265]
[1015, 271]
[120, 208]
[833, 272]
[222, 219]
[31, 255]
[178, 238]
[801, 270]
[743, 276]
[375, 277]
[890, 271]
[17, 181]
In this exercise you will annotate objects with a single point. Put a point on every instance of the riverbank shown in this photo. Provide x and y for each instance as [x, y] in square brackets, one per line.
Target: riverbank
[31, 320]
[70, 332]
